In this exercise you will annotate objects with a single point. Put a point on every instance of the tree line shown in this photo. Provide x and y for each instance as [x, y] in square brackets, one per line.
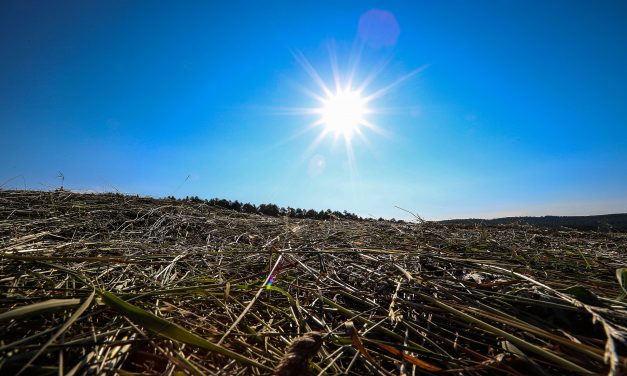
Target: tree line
[272, 210]
[607, 222]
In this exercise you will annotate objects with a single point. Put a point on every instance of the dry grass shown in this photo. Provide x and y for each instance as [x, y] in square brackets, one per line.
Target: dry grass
[101, 283]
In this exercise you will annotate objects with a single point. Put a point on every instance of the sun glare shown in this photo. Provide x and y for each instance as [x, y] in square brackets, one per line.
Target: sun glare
[343, 105]
[343, 112]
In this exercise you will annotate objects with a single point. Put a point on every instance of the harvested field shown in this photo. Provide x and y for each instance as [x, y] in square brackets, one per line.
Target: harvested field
[105, 283]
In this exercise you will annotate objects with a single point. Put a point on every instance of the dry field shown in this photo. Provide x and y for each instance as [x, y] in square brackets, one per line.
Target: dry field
[113, 284]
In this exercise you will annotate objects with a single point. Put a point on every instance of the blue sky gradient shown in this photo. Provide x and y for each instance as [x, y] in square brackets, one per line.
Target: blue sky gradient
[521, 108]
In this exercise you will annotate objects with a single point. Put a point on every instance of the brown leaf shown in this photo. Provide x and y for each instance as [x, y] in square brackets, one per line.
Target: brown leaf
[413, 360]
[351, 331]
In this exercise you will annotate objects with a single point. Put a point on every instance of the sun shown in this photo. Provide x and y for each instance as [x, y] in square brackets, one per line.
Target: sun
[343, 112]
[343, 105]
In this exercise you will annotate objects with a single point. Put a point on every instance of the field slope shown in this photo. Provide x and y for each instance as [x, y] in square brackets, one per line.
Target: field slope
[106, 283]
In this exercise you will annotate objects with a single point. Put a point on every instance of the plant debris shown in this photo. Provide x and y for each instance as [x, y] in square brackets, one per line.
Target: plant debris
[295, 362]
[110, 283]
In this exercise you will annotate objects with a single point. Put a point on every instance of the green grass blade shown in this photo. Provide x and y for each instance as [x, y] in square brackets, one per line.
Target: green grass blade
[38, 308]
[621, 275]
[61, 330]
[171, 330]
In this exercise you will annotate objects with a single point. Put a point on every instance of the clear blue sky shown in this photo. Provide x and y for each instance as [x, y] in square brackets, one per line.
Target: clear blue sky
[521, 108]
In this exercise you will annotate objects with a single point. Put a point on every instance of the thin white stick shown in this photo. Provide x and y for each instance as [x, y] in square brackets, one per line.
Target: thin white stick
[241, 316]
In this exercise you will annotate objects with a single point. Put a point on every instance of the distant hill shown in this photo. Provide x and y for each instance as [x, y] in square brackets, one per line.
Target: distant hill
[607, 222]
